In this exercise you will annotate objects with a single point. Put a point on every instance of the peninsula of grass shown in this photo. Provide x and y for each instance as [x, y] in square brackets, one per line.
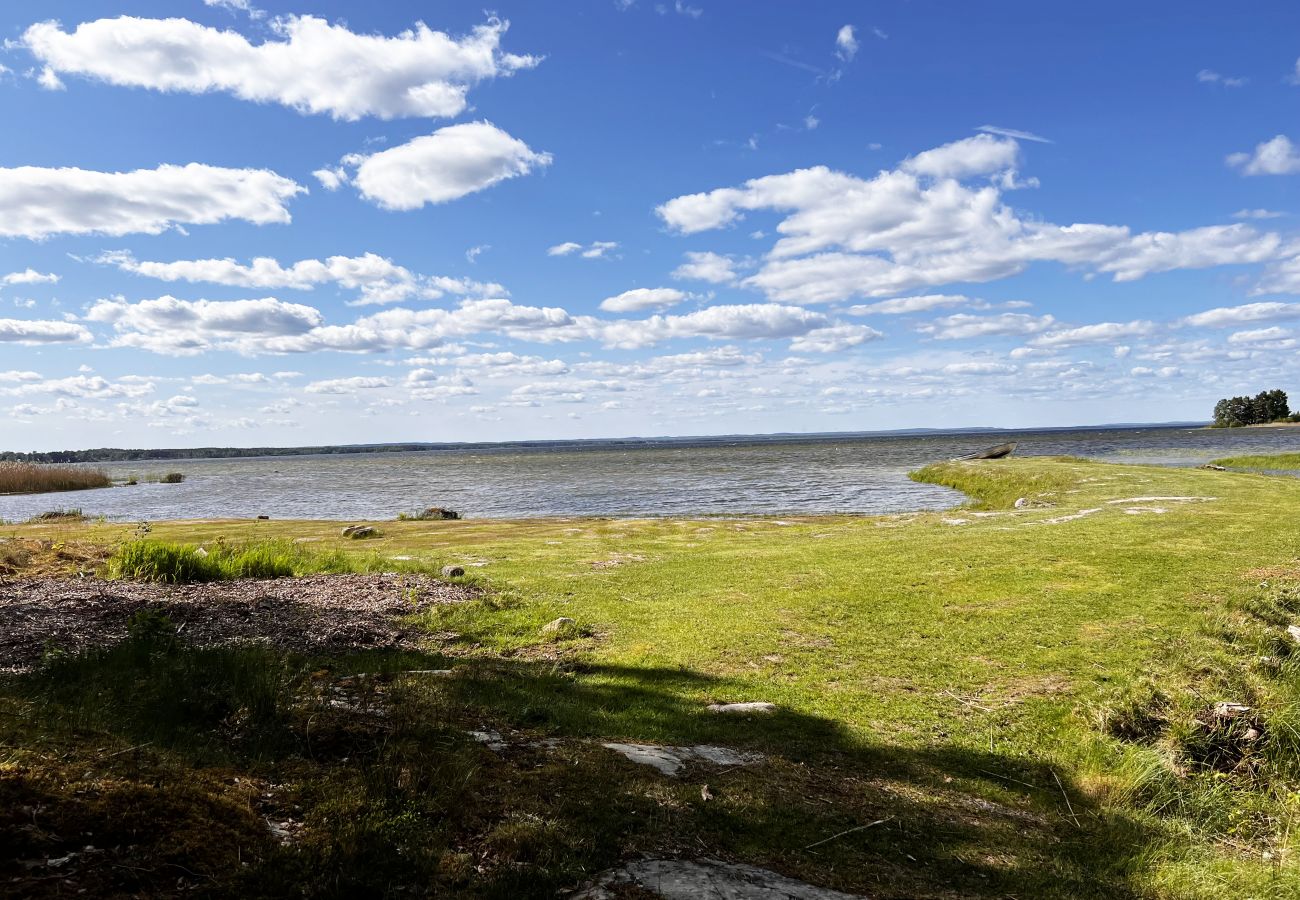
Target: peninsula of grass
[32, 478]
[1277, 462]
[1092, 695]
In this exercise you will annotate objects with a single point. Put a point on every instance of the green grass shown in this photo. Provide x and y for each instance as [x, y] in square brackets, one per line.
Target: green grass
[964, 672]
[179, 563]
[1273, 461]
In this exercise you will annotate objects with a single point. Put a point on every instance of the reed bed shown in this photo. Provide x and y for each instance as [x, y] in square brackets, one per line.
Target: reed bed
[32, 478]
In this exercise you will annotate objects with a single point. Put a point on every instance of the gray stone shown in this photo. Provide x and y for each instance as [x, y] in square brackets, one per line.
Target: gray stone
[685, 879]
[559, 626]
[756, 706]
[670, 760]
[452, 571]
[359, 531]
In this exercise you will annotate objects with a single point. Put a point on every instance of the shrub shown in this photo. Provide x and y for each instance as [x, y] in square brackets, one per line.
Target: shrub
[172, 478]
[30, 478]
[59, 515]
[433, 513]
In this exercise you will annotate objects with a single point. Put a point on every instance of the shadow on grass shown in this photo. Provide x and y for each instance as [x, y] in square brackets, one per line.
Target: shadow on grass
[371, 786]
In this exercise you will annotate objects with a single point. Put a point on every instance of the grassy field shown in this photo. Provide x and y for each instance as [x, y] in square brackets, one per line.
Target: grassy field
[1274, 461]
[1024, 699]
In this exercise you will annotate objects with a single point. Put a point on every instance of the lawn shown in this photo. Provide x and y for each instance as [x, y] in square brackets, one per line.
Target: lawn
[1022, 696]
[1278, 462]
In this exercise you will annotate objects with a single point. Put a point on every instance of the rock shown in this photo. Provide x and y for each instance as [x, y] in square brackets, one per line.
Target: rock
[1022, 502]
[1230, 710]
[1212, 467]
[452, 571]
[559, 626]
[491, 739]
[1294, 631]
[758, 706]
[356, 532]
[264, 518]
[201, 552]
[686, 879]
[669, 760]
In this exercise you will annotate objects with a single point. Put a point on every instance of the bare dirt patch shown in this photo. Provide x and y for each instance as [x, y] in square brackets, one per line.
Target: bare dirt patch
[317, 614]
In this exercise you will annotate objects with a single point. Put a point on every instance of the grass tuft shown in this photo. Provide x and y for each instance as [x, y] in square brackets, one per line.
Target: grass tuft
[1281, 462]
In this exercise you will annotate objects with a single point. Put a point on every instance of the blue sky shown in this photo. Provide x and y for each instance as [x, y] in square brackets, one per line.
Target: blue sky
[233, 223]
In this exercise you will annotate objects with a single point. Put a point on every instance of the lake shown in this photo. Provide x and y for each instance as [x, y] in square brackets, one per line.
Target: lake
[674, 477]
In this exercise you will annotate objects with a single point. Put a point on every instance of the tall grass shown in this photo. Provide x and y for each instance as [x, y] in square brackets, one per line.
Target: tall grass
[30, 478]
[150, 560]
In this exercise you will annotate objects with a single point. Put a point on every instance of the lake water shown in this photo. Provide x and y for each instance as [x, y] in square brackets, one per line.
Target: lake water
[743, 476]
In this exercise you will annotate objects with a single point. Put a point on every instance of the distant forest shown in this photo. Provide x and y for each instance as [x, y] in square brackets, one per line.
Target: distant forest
[114, 454]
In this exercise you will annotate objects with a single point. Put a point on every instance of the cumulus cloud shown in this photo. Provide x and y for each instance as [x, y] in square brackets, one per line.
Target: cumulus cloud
[640, 299]
[904, 305]
[347, 385]
[846, 43]
[1277, 156]
[939, 218]
[378, 278]
[311, 65]
[235, 6]
[964, 325]
[1228, 316]
[185, 327]
[437, 168]
[36, 331]
[705, 266]
[594, 250]
[1099, 333]
[29, 276]
[834, 339]
[742, 321]
[37, 202]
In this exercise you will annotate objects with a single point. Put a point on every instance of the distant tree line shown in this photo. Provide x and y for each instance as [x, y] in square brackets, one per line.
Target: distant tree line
[1264, 407]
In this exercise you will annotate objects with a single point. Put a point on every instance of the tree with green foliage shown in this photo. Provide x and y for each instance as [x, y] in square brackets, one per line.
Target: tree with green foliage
[1264, 407]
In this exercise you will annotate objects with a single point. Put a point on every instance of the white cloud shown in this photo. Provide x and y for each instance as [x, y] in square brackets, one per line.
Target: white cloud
[594, 250]
[378, 278]
[1013, 133]
[1100, 333]
[1257, 214]
[1259, 335]
[30, 276]
[834, 339]
[1209, 76]
[443, 166]
[37, 331]
[313, 66]
[905, 305]
[347, 385]
[37, 203]
[186, 327]
[706, 266]
[846, 43]
[921, 225]
[742, 321]
[1277, 156]
[982, 154]
[237, 6]
[640, 299]
[85, 387]
[964, 325]
[979, 368]
[1228, 316]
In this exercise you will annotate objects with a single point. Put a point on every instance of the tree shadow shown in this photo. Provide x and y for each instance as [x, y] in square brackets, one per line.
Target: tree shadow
[412, 804]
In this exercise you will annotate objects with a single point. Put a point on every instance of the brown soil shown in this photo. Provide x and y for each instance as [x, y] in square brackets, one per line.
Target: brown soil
[318, 614]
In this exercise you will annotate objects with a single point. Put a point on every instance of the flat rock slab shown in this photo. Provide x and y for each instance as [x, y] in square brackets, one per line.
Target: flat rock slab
[742, 708]
[684, 879]
[670, 760]
[321, 613]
